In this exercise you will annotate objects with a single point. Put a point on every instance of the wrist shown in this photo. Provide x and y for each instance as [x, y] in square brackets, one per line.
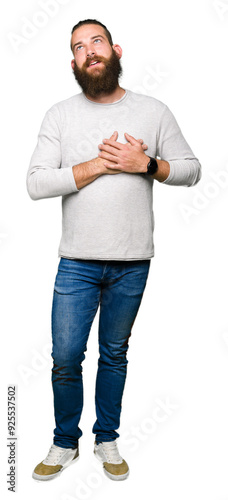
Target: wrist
[98, 165]
[152, 166]
[145, 162]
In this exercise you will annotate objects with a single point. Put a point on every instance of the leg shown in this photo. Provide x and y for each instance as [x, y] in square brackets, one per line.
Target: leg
[120, 301]
[75, 302]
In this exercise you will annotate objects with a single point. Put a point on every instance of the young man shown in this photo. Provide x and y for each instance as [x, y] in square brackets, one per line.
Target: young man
[101, 151]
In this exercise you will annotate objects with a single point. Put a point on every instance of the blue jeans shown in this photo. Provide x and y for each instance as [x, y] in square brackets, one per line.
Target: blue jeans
[80, 287]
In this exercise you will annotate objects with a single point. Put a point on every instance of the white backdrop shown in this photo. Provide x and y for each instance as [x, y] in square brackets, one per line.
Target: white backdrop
[174, 431]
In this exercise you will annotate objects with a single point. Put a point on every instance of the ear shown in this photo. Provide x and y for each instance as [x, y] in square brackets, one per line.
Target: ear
[118, 50]
[73, 64]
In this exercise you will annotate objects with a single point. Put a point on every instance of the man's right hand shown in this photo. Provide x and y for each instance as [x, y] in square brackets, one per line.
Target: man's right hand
[89, 171]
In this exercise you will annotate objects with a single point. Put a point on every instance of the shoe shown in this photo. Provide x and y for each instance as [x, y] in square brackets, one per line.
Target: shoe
[56, 460]
[114, 465]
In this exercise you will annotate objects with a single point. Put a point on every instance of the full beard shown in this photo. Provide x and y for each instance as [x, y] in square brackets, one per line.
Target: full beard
[104, 82]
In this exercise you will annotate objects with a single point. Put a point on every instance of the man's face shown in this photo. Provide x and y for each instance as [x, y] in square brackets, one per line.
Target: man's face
[96, 64]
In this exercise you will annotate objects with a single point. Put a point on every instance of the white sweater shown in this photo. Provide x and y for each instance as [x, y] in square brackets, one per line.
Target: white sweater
[112, 217]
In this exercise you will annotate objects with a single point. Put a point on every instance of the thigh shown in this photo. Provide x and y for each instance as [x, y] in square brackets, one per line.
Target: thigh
[120, 301]
[75, 302]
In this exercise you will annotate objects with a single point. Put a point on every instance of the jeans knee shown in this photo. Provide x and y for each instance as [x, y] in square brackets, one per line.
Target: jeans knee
[67, 367]
[113, 356]
[67, 355]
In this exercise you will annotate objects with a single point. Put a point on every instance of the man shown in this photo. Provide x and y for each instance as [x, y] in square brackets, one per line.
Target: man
[101, 151]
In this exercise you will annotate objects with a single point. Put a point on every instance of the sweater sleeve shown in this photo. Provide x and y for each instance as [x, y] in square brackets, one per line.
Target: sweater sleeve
[185, 169]
[45, 177]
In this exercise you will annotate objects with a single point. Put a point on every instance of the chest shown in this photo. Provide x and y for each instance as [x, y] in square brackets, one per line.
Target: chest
[83, 132]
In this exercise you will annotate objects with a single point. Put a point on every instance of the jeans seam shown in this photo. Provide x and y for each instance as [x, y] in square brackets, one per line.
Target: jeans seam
[104, 270]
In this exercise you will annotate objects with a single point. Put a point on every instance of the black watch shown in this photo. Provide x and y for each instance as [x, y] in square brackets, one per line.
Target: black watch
[152, 166]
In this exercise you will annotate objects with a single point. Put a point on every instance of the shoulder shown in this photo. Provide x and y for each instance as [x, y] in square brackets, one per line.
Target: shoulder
[66, 106]
[147, 101]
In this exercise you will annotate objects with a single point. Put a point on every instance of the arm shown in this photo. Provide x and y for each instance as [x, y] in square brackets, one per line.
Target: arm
[45, 177]
[130, 158]
[163, 170]
[185, 169]
[87, 172]
[178, 165]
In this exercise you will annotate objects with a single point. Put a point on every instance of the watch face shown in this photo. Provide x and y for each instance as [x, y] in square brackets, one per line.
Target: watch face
[152, 166]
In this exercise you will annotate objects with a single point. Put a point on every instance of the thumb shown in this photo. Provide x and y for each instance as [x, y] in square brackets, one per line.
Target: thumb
[114, 136]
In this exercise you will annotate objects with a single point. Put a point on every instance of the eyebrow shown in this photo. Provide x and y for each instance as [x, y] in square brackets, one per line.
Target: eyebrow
[92, 38]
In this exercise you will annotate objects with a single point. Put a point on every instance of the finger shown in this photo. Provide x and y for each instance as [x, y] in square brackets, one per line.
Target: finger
[144, 146]
[107, 156]
[109, 149]
[110, 142]
[111, 171]
[131, 139]
[112, 166]
[114, 136]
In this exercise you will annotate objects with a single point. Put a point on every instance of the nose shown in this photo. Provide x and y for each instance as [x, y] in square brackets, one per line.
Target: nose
[90, 53]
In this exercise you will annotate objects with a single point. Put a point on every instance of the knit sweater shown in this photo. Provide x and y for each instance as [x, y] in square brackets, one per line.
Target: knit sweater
[112, 217]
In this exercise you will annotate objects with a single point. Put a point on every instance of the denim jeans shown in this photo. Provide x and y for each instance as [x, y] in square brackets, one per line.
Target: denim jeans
[80, 287]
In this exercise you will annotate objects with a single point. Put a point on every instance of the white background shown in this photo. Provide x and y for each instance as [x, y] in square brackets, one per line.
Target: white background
[177, 52]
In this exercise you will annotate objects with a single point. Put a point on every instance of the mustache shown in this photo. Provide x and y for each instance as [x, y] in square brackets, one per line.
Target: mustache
[93, 59]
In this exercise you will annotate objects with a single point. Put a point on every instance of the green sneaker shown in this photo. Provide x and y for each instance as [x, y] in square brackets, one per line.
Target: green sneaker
[56, 460]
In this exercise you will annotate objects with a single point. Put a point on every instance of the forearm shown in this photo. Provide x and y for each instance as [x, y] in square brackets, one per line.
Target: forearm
[131, 158]
[87, 172]
[46, 182]
[163, 171]
[184, 172]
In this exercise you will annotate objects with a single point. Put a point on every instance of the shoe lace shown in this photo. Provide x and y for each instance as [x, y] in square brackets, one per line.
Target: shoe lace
[111, 452]
[54, 455]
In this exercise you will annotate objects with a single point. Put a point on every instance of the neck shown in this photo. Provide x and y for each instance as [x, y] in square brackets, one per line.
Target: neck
[116, 95]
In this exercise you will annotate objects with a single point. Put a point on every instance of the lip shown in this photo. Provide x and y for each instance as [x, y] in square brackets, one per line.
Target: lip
[93, 64]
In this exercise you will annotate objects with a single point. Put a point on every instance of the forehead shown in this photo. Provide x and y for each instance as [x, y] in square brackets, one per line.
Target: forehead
[87, 31]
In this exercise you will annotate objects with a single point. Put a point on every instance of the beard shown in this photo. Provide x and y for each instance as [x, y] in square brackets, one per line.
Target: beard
[103, 82]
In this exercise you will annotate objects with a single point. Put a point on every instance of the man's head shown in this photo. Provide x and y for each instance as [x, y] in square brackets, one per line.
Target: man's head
[92, 21]
[96, 63]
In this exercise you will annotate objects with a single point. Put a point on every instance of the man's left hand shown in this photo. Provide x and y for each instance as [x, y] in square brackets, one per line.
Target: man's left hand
[129, 157]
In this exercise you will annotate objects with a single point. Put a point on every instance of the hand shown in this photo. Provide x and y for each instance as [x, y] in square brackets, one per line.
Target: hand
[129, 157]
[106, 169]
